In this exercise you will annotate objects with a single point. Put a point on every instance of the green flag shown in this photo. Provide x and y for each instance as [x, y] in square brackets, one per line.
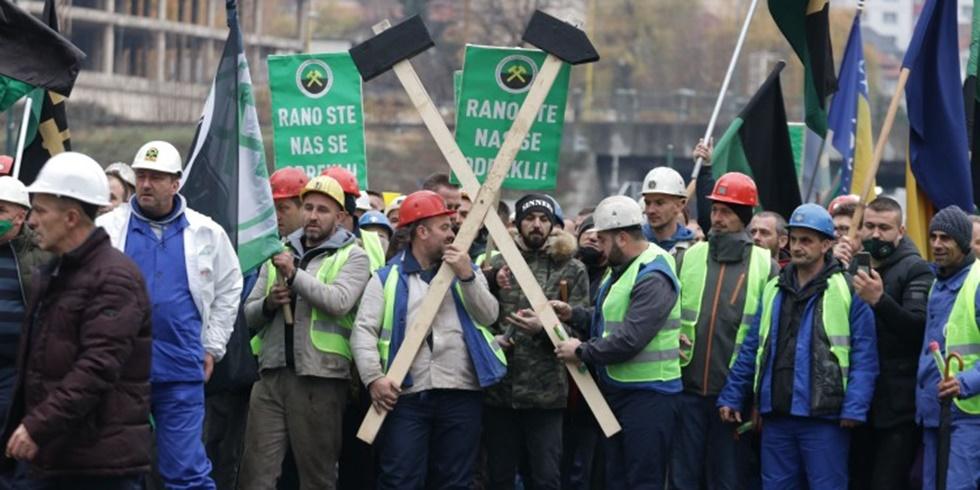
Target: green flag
[805, 24]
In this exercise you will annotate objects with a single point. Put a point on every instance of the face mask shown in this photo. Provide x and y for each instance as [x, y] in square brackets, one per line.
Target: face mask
[589, 256]
[5, 226]
[878, 248]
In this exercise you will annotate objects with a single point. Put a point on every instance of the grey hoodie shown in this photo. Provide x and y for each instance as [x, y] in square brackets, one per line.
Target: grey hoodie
[335, 299]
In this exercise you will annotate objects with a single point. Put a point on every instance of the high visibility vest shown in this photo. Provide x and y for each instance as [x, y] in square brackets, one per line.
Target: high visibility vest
[693, 274]
[836, 320]
[480, 259]
[963, 335]
[374, 248]
[488, 358]
[659, 361]
[328, 333]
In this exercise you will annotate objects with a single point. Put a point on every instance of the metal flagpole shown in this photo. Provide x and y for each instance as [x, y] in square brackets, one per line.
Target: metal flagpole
[721, 94]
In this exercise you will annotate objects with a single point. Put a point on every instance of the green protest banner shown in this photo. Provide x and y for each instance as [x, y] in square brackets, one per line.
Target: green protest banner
[495, 82]
[317, 113]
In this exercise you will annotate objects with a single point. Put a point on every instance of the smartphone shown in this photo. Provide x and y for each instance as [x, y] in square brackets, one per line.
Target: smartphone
[863, 261]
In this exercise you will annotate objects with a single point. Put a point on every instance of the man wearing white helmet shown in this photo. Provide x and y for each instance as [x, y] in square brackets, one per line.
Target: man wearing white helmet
[79, 415]
[664, 197]
[195, 282]
[19, 256]
[633, 340]
[122, 184]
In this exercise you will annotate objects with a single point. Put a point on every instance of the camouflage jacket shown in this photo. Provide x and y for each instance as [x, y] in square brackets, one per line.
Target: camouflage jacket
[535, 378]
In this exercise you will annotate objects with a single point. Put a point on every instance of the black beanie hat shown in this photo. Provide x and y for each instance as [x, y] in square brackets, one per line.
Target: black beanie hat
[535, 202]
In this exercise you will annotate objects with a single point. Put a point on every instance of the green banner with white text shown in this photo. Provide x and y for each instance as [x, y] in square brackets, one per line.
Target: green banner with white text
[318, 113]
[495, 82]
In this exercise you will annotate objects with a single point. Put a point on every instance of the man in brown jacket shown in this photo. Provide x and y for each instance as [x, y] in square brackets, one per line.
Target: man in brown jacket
[80, 412]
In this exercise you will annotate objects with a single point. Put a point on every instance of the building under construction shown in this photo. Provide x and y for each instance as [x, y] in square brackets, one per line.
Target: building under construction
[153, 60]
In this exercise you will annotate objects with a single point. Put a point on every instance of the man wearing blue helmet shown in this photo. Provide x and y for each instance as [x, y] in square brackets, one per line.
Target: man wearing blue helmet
[377, 222]
[810, 362]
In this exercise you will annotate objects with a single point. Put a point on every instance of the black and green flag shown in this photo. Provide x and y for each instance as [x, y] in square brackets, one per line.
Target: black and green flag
[806, 25]
[47, 133]
[757, 144]
[33, 55]
[971, 100]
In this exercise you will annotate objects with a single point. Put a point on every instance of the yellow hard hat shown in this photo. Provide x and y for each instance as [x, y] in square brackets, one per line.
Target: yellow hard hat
[327, 186]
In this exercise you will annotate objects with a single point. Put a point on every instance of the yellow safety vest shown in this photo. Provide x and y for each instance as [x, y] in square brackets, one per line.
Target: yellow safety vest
[963, 335]
[836, 319]
[694, 272]
[660, 359]
[327, 333]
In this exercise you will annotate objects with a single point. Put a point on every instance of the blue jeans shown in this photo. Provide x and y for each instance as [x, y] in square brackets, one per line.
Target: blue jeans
[431, 440]
[798, 449]
[636, 458]
[178, 412]
[704, 446]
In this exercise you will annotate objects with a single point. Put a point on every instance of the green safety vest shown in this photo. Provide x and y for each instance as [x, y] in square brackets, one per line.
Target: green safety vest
[388, 321]
[480, 259]
[836, 319]
[327, 333]
[374, 249]
[694, 272]
[660, 359]
[963, 335]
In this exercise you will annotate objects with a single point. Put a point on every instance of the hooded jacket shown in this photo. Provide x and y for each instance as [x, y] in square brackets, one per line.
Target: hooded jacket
[535, 377]
[336, 299]
[722, 305]
[214, 276]
[682, 239]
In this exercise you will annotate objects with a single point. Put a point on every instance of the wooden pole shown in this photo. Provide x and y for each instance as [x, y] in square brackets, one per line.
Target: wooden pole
[886, 129]
[721, 95]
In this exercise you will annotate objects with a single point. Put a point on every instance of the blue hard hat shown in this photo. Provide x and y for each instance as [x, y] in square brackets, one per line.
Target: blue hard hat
[813, 217]
[375, 218]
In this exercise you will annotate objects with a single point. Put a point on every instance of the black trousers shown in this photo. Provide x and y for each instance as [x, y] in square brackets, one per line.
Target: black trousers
[512, 435]
[882, 458]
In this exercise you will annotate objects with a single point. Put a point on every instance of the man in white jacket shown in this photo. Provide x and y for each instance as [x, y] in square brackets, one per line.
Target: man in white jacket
[192, 275]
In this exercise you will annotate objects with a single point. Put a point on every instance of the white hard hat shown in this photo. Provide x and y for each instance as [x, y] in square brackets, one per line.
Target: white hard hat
[363, 203]
[123, 171]
[159, 156]
[616, 212]
[74, 175]
[13, 190]
[664, 180]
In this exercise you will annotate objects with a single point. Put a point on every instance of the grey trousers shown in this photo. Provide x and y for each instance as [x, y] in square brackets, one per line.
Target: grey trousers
[303, 412]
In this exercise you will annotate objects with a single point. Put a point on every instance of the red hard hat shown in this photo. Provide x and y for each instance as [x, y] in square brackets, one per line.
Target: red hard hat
[842, 199]
[288, 182]
[735, 188]
[347, 180]
[6, 164]
[421, 205]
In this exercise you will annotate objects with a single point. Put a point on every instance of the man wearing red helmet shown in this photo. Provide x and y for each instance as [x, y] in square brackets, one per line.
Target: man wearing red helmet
[722, 280]
[431, 436]
[287, 184]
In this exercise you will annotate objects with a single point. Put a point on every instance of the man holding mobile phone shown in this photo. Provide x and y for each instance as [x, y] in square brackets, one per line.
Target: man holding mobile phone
[896, 285]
